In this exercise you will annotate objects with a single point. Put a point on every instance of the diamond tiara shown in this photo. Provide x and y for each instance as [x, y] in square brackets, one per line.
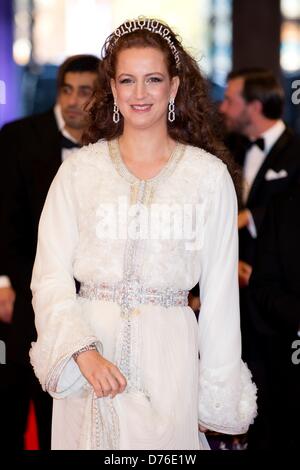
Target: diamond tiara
[152, 25]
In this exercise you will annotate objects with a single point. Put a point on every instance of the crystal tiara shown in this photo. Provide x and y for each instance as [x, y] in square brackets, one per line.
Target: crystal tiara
[152, 25]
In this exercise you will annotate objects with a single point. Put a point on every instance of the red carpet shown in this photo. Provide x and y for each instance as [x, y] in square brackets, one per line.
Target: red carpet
[31, 436]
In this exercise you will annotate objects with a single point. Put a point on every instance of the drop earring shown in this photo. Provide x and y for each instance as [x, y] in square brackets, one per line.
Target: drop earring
[116, 114]
[171, 113]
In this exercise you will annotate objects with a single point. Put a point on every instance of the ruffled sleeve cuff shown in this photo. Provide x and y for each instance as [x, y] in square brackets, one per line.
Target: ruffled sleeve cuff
[64, 376]
[226, 408]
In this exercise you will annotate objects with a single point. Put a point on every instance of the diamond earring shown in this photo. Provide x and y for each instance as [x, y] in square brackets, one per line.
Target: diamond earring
[116, 114]
[171, 113]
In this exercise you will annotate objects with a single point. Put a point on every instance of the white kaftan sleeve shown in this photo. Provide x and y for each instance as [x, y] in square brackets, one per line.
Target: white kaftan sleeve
[60, 324]
[227, 396]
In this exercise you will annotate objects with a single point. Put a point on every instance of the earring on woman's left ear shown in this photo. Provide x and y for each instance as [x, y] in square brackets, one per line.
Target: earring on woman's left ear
[171, 113]
[116, 114]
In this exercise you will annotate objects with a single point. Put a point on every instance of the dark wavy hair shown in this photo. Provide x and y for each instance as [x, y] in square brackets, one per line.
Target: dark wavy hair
[197, 120]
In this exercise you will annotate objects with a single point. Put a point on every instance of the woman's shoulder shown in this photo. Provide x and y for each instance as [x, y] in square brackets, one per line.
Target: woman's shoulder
[89, 152]
[207, 173]
[200, 158]
[203, 165]
[84, 161]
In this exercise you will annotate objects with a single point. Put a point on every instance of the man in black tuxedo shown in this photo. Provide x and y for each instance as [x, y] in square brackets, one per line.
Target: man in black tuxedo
[269, 156]
[275, 288]
[32, 150]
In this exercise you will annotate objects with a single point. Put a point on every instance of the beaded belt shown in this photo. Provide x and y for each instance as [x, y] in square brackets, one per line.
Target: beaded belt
[130, 294]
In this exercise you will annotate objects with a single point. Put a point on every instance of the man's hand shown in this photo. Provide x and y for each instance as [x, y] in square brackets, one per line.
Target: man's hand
[245, 271]
[7, 300]
[194, 302]
[105, 377]
[243, 218]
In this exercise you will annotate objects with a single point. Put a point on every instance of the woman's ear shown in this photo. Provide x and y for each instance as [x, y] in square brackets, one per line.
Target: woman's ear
[113, 88]
[175, 82]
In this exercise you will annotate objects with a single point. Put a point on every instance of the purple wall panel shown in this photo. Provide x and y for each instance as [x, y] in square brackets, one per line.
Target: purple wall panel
[9, 107]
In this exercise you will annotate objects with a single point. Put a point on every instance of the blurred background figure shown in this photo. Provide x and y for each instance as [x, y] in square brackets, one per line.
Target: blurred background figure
[268, 153]
[32, 150]
[37, 35]
[275, 285]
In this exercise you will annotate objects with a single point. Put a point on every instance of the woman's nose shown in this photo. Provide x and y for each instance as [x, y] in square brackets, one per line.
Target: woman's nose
[140, 90]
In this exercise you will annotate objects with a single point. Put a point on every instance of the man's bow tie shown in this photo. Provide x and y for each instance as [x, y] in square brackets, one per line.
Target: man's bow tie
[260, 142]
[67, 143]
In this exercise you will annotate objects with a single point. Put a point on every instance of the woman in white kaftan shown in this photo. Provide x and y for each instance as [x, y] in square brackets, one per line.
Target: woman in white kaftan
[137, 246]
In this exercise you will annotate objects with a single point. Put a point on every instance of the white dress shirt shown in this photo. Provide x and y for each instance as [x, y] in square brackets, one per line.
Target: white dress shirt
[62, 127]
[255, 157]
[4, 280]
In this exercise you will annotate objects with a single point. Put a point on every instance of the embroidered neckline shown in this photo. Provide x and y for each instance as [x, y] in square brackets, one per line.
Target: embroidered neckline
[124, 172]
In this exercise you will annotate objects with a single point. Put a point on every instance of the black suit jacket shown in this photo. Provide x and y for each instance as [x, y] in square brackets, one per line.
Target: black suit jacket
[30, 152]
[275, 282]
[275, 292]
[284, 155]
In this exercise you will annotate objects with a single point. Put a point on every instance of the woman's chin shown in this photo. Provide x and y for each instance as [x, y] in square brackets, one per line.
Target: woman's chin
[144, 123]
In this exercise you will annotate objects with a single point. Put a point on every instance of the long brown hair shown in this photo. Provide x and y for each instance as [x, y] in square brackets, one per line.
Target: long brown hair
[196, 118]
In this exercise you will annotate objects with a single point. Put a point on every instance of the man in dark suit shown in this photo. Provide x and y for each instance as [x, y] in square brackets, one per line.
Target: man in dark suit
[32, 150]
[269, 156]
[275, 288]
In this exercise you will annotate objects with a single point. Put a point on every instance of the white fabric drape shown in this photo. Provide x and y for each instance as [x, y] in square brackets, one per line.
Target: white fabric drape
[178, 389]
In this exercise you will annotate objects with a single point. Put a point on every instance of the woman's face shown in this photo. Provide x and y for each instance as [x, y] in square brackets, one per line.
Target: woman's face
[142, 87]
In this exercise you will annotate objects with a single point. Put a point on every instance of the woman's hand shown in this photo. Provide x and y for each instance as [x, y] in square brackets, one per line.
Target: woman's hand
[105, 377]
[202, 428]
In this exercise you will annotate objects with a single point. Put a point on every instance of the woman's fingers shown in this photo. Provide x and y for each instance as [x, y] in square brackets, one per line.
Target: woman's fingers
[113, 382]
[106, 387]
[114, 386]
[102, 388]
[105, 377]
[121, 380]
[97, 388]
[110, 383]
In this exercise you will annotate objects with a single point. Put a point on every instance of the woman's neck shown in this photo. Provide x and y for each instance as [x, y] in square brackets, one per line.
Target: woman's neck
[146, 145]
[145, 152]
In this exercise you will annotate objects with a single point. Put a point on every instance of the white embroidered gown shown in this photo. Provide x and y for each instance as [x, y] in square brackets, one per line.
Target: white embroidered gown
[100, 225]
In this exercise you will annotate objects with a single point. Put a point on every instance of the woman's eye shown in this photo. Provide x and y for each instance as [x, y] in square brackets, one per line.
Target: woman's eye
[126, 80]
[154, 79]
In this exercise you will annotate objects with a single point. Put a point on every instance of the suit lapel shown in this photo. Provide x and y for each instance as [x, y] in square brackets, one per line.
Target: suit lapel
[46, 158]
[269, 162]
[236, 145]
[50, 141]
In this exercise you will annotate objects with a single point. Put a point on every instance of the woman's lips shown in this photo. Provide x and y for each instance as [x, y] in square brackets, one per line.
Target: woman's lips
[141, 108]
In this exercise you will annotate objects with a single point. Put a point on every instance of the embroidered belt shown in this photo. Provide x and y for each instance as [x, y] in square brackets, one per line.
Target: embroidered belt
[130, 294]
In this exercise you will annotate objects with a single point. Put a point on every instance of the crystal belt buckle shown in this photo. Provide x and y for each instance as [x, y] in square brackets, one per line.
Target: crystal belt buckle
[130, 295]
